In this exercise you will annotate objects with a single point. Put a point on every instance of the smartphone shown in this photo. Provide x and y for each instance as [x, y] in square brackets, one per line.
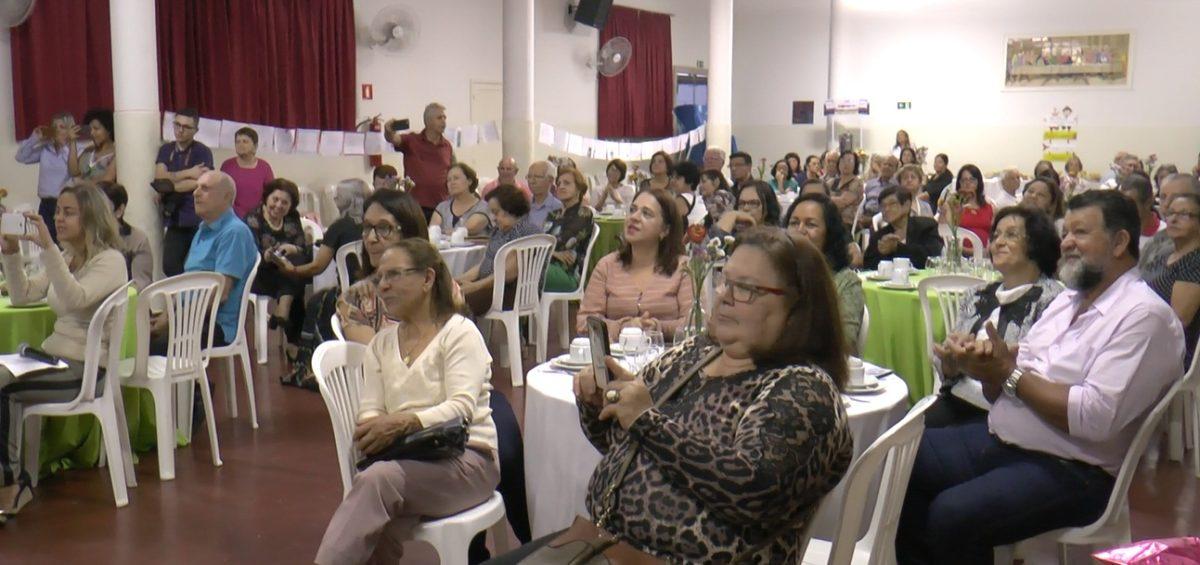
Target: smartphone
[14, 223]
[401, 125]
[598, 336]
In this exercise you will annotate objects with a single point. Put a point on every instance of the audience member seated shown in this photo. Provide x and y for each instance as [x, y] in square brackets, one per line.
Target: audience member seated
[1072, 177]
[510, 210]
[908, 156]
[249, 173]
[909, 179]
[846, 190]
[829, 167]
[714, 189]
[1177, 275]
[1065, 405]
[756, 206]
[905, 235]
[431, 368]
[348, 197]
[815, 217]
[1007, 192]
[74, 283]
[97, 163]
[47, 148]
[902, 143]
[783, 178]
[541, 176]
[1153, 255]
[874, 188]
[942, 177]
[1042, 194]
[685, 178]
[661, 169]
[714, 159]
[385, 177]
[1138, 188]
[1025, 250]
[506, 173]
[811, 170]
[572, 228]
[776, 354]
[973, 210]
[796, 167]
[464, 209]
[1161, 174]
[615, 193]
[642, 284]
[740, 169]
[814, 186]
[280, 237]
[1045, 169]
[135, 246]
[181, 162]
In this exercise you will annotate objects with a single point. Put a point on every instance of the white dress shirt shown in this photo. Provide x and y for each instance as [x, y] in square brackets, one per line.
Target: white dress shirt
[1000, 198]
[1119, 358]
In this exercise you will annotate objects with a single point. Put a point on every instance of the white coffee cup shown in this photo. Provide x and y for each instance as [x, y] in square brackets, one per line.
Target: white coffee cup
[632, 340]
[885, 269]
[581, 350]
[900, 276]
[858, 374]
[435, 235]
[903, 263]
[459, 236]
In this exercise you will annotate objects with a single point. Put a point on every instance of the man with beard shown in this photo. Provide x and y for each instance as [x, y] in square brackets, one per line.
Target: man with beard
[1065, 404]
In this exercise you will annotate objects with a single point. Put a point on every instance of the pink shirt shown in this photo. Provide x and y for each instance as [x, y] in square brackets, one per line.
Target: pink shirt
[1119, 357]
[496, 182]
[249, 184]
[612, 294]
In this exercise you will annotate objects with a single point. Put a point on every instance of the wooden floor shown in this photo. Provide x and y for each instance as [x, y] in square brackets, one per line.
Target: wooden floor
[279, 486]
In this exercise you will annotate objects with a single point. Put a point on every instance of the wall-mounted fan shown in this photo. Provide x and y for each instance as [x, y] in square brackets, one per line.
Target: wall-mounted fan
[613, 56]
[14, 12]
[394, 28]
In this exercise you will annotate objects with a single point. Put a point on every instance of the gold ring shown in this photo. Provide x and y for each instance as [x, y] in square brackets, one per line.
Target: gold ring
[613, 396]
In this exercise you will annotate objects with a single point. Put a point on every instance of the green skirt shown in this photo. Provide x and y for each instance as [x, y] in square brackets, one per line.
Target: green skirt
[559, 279]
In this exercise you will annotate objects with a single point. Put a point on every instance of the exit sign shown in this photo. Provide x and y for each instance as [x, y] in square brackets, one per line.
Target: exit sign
[905, 105]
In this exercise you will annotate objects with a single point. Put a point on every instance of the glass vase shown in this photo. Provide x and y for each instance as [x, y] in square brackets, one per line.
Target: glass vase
[693, 325]
[953, 255]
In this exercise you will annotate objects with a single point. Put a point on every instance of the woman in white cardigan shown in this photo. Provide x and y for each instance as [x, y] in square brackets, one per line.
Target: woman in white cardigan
[74, 283]
[430, 368]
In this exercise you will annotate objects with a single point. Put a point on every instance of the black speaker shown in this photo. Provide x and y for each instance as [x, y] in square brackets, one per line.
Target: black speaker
[593, 13]
[802, 112]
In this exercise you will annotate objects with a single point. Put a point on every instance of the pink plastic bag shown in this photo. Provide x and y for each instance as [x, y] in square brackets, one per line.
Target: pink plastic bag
[1171, 551]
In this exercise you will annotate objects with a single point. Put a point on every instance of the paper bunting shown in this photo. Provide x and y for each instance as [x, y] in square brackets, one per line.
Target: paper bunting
[567, 142]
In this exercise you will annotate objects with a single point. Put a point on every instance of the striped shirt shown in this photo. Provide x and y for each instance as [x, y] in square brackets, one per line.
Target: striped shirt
[612, 293]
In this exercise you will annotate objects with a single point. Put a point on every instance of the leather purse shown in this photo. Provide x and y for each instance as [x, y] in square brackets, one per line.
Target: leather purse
[441, 441]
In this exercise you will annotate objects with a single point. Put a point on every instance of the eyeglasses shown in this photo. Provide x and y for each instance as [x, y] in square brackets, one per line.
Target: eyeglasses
[749, 204]
[183, 126]
[1184, 215]
[391, 275]
[747, 293]
[382, 231]
[1008, 235]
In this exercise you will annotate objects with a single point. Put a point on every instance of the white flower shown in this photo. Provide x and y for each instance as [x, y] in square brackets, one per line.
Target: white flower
[720, 253]
[729, 240]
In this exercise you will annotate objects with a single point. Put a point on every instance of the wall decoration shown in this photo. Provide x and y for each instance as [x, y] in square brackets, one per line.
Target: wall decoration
[1067, 61]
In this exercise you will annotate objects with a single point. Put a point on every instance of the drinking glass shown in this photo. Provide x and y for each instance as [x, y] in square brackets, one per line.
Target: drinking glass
[634, 347]
[655, 344]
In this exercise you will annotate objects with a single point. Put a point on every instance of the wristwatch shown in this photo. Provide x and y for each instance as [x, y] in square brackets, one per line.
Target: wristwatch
[1010, 384]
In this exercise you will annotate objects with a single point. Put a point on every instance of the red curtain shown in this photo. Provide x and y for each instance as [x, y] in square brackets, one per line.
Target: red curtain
[638, 102]
[61, 61]
[281, 63]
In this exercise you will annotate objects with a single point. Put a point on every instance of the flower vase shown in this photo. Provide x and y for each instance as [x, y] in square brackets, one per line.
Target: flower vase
[693, 325]
[953, 255]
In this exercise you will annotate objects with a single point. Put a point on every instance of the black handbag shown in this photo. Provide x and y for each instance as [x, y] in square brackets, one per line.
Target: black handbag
[441, 441]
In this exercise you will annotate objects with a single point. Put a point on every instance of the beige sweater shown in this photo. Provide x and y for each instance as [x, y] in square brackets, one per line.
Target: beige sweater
[73, 297]
[448, 380]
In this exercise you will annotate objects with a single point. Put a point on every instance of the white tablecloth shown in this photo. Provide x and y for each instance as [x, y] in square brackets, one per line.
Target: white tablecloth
[461, 259]
[559, 460]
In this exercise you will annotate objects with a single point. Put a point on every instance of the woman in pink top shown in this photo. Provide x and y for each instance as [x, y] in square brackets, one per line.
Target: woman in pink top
[249, 172]
[643, 284]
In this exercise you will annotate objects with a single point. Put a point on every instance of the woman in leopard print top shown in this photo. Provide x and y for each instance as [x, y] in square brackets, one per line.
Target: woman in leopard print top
[740, 458]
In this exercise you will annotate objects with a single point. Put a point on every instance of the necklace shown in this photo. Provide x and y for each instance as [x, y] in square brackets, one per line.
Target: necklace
[408, 357]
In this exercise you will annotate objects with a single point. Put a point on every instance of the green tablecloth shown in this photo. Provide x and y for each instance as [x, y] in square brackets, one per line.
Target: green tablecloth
[610, 238]
[896, 338]
[74, 441]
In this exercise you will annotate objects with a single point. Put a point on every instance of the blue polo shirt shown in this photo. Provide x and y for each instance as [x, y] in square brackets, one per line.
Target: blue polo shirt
[225, 246]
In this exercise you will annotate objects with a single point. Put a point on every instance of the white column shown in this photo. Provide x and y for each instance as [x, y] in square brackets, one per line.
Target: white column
[720, 74]
[518, 133]
[136, 112]
[830, 86]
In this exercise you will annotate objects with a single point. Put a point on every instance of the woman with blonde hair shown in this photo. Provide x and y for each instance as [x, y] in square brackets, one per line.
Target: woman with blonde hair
[74, 283]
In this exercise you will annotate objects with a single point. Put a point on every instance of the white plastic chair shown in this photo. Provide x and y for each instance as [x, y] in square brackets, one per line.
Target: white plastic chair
[314, 229]
[338, 368]
[343, 253]
[550, 298]
[239, 346]
[894, 453]
[964, 236]
[336, 324]
[533, 256]
[310, 202]
[189, 301]
[1112, 528]
[107, 406]
[863, 330]
[951, 291]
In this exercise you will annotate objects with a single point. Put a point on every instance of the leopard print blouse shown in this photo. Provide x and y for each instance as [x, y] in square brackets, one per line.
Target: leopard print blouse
[726, 463]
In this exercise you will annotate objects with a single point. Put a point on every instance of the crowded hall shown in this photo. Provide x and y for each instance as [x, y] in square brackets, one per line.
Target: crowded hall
[554, 282]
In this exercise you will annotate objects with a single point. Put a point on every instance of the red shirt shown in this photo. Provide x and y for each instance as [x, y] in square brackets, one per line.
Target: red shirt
[426, 164]
[979, 221]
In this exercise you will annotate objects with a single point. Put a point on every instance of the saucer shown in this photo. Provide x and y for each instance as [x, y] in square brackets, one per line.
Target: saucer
[875, 276]
[564, 362]
[894, 286]
[870, 385]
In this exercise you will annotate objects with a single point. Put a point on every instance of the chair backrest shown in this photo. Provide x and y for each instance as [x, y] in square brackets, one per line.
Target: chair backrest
[587, 256]
[964, 236]
[241, 323]
[108, 318]
[339, 261]
[338, 366]
[190, 302]
[951, 291]
[310, 201]
[858, 212]
[894, 452]
[533, 256]
[336, 323]
[313, 228]
[863, 330]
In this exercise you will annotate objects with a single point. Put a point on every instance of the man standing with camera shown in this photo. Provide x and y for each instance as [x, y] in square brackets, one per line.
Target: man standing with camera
[180, 163]
[427, 156]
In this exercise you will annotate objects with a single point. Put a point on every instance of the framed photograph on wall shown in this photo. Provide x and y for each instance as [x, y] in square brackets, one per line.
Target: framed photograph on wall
[1057, 61]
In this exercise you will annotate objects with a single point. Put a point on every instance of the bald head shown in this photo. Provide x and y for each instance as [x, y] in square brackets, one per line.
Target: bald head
[213, 195]
[506, 171]
[1011, 180]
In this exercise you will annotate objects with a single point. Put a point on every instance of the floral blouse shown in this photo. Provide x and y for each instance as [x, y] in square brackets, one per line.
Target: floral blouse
[361, 305]
[267, 237]
[726, 463]
[572, 227]
[717, 203]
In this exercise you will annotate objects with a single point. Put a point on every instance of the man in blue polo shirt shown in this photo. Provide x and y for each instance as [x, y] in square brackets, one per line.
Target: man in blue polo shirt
[182, 162]
[223, 244]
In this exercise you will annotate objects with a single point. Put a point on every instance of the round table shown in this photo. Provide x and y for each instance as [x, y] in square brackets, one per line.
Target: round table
[462, 259]
[896, 338]
[74, 441]
[610, 237]
[559, 460]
